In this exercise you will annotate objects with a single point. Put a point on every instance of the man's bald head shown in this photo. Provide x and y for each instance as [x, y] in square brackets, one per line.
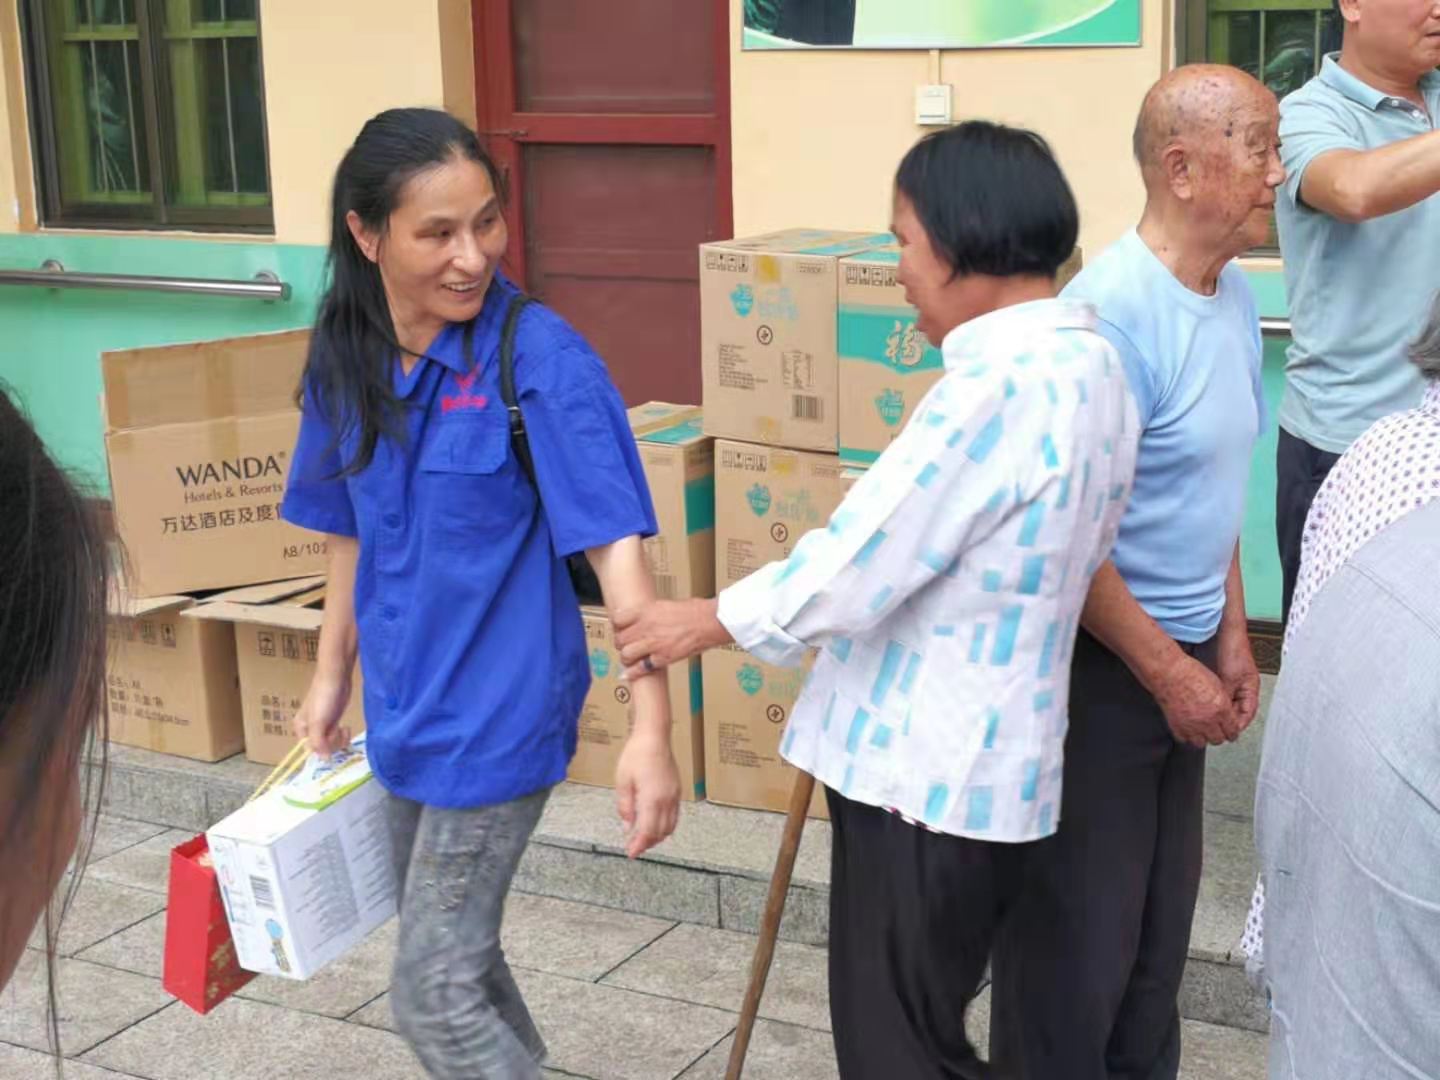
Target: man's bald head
[1208, 141]
[1199, 105]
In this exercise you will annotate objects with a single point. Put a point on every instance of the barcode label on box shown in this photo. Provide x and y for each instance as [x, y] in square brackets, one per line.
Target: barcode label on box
[807, 407]
[263, 892]
[665, 586]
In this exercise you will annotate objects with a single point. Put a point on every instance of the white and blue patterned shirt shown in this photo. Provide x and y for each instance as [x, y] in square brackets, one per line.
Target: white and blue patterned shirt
[946, 591]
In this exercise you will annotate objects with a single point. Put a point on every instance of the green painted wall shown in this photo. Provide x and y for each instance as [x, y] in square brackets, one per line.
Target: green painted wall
[51, 339]
[1259, 557]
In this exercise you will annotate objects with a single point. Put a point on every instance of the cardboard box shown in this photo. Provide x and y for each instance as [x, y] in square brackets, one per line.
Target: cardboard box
[679, 462]
[276, 630]
[767, 335]
[748, 705]
[198, 439]
[654, 415]
[606, 718]
[305, 870]
[766, 499]
[885, 364]
[173, 682]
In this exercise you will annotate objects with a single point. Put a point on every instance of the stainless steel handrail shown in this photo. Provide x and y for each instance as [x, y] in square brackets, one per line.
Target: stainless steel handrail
[1271, 325]
[53, 275]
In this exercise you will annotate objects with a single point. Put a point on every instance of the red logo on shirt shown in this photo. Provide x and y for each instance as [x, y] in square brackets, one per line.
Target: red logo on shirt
[465, 399]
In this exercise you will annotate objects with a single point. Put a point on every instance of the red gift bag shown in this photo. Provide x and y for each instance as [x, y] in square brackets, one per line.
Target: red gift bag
[200, 964]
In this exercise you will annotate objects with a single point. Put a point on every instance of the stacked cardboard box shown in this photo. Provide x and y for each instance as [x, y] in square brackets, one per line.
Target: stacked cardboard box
[769, 309]
[276, 631]
[679, 463]
[767, 332]
[766, 499]
[198, 440]
[812, 363]
[173, 683]
[607, 717]
[885, 364]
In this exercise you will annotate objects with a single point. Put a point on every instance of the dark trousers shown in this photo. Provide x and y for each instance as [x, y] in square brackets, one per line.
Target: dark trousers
[913, 917]
[1088, 969]
[1300, 469]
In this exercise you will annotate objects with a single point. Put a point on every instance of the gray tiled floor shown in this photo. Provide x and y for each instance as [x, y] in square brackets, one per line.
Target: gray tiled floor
[617, 995]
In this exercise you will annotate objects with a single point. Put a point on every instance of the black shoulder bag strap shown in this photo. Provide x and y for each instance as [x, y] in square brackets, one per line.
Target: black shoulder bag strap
[582, 577]
[518, 439]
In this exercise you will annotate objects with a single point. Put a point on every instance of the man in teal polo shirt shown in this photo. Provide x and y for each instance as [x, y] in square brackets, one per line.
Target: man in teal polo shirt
[1359, 220]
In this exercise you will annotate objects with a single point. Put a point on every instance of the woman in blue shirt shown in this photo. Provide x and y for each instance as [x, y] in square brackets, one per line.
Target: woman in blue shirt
[447, 565]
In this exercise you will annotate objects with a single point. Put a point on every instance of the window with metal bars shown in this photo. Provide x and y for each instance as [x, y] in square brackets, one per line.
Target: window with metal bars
[1280, 42]
[149, 113]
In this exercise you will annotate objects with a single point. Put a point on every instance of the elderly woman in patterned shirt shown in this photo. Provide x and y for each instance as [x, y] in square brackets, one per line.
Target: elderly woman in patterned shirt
[1389, 472]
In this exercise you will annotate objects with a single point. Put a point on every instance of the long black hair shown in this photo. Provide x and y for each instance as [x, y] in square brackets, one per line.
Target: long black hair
[347, 374]
[55, 563]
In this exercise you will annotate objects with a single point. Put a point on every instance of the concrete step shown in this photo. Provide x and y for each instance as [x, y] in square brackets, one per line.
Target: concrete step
[715, 870]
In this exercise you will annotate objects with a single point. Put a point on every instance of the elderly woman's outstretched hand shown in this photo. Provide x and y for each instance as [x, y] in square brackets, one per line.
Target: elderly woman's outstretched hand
[666, 632]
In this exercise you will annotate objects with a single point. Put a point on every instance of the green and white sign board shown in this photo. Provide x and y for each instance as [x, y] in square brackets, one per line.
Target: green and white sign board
[939, 24]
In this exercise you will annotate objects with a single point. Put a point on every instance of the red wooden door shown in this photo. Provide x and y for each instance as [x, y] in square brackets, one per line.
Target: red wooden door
[612, 121]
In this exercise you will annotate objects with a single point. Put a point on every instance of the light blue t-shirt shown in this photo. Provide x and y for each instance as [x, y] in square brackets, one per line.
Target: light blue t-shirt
[1358, 293]
[1194, 367]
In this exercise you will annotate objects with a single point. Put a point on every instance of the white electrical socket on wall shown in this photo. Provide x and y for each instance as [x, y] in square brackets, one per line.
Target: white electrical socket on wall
[932, 105]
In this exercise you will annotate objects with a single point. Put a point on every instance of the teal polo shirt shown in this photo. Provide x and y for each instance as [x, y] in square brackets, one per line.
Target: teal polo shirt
[1358, 294]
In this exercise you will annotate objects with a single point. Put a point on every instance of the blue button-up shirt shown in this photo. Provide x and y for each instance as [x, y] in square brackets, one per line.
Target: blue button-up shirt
[471, 643]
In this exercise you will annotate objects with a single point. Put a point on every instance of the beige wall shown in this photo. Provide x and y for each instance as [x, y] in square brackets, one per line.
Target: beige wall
[817, 135]
[329, 66]
[15, 197]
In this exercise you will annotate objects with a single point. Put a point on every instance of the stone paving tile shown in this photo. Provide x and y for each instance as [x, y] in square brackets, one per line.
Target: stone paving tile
[114, 834]
[344, 986]
[376, 1014]
[556, 936]
[95, 1003]
[602, 1032]
[17, 1063]
[580, 941]
[712, 967]
[145, 865]
[661, 891]
[250, 1040]
[611, 1034]
[777, 1052]
[99, 910]
[1221, 1053]
[807, 911]
[1218, 992]
[709, 836]
[1225, 887]
[139, 949]
[1230, 772]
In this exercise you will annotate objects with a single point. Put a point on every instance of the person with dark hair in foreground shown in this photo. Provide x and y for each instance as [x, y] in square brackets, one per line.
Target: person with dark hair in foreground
[447, 565]
[944, 595]
[1087, 975]
[54, 573]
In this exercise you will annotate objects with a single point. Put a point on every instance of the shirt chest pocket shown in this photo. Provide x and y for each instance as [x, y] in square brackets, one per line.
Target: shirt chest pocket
[469, 485]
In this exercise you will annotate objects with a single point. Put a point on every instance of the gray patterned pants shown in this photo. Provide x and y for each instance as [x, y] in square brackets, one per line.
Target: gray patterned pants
[452, 994]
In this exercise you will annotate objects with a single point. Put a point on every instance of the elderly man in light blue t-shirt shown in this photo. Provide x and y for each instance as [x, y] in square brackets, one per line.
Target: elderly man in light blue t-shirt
[1087, 979]
[1359, 220]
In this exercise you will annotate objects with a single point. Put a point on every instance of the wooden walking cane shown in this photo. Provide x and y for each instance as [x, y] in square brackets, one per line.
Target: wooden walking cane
[770, 921]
